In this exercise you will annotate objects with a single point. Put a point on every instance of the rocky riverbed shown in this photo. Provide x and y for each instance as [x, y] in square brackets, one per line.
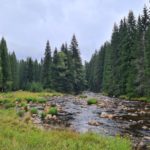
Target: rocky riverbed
[110, 116]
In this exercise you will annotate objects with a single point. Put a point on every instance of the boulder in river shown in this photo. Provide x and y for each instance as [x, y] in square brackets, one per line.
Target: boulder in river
[106, 115]
[94, 123]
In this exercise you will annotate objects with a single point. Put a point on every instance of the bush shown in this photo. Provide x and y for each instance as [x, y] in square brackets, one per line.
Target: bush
[23, 104]
[18, 100]
[20, 113]
[41, 100]
[53, 111]
[92, 101]
[43, 115]
[34, 111]
[31, 99]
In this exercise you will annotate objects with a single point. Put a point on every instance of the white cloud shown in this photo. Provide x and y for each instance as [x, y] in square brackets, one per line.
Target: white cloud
[27, 25]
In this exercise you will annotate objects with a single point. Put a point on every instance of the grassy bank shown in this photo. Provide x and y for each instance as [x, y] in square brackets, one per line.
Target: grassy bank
[143, 99]
[15, 134]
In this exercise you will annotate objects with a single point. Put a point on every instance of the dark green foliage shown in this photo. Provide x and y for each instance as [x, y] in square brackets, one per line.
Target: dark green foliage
[53, 111]
[122, 67]
[63, 72]
[76, 67]
[34, 111]
[43, 115]
[14, 71]
[35, 87]
[5, 64]
[47, 64]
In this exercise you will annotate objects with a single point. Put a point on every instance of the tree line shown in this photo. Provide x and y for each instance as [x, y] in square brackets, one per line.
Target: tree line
[61, 71]
[122, 65]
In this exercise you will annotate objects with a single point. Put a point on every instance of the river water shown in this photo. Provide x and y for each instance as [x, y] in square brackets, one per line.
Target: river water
[110, 116]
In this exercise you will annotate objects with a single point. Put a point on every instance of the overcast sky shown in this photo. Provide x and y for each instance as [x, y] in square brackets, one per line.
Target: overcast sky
[28, 24]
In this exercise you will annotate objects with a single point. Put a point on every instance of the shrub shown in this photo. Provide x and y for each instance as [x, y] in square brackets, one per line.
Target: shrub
[31, 99]
[41, 100]
[34, 111]
[53, 111]
[23, 104]
[92, 101]
[20, 113]
[18, 100]
[43, 115]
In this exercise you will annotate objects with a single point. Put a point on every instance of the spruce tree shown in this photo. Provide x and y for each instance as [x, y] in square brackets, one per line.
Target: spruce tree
[46, 73]
[78, 76]
[6, 76]
[131, 29]
[14, 71]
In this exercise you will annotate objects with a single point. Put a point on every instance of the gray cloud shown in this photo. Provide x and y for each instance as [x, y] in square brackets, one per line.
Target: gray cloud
[27, 24]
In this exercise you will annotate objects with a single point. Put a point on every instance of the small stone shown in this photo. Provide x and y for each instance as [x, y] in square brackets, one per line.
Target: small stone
[145, 127]
[140, 121]
[146, 138]
[94, 123]
[54, 117]
[106, 115]
[141, 146]
[49, 116]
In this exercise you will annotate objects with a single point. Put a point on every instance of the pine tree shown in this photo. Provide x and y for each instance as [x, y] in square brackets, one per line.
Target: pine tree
[30, 76]
[1, 75]
[131, 29]
[115, 85]
[47, 67]
[78, 76]
[14, 71]
[107, 73]
[6, 82]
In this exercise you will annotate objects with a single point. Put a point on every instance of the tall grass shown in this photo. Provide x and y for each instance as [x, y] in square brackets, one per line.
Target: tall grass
[17, 135]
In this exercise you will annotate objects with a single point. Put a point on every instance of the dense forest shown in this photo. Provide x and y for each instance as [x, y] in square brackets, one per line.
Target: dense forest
[61, 72]
[122, 66]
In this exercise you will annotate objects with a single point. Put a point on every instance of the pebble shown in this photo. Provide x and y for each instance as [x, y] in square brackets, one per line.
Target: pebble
[94, 123]
[106, 115]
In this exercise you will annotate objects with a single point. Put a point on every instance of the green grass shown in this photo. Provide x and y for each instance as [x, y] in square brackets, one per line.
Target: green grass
[53, 111]
[83, 96]
[17, 135]
[41, 100]
[144, 99]
[34, 111]
[92, 101]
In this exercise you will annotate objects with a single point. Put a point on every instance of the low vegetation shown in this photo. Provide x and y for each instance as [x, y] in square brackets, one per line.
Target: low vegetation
[34, 111]
[82, 96]
[15, 134]
[53, 111]
[92, 101]
[145, 99]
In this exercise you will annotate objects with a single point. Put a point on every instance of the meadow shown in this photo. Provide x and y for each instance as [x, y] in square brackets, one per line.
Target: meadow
[16, 133]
